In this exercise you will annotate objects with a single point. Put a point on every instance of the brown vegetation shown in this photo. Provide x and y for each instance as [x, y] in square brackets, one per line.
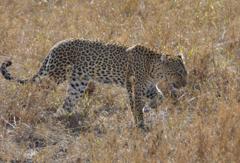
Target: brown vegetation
[203, 126]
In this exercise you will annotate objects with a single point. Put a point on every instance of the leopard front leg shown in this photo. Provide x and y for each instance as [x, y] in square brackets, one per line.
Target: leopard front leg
[130, 93]
[139, 104]
[135, 93]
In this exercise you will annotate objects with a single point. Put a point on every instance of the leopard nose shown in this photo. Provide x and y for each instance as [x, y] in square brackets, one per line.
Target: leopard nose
[176, 85]
[180, 84]
[184, 83]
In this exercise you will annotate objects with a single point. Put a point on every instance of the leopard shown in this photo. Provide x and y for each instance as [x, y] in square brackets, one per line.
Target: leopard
[138, 69]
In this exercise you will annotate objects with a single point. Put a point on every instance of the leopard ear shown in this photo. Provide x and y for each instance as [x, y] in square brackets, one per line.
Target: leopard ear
[134, 48]
[163, 58]
[181, 56]
[131, 48]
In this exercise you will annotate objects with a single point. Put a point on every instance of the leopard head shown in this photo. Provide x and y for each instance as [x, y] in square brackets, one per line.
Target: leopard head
[176, 73]
[172, 70]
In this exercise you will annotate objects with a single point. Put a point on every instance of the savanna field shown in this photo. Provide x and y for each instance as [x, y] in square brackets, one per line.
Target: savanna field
[202, 125]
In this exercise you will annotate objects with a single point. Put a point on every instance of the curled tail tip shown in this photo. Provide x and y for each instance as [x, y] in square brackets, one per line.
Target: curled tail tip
[3, 70]
[7, 75]
[6, 63]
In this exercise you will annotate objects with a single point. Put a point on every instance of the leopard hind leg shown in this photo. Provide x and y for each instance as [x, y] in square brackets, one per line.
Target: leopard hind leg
[76, 88]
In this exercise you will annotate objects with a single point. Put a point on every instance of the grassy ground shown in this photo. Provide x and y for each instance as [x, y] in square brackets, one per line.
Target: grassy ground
[203, 126]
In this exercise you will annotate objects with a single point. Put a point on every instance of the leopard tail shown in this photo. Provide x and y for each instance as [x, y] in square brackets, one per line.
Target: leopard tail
[43, 71]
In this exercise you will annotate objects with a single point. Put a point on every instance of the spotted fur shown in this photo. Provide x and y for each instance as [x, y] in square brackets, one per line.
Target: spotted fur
[137, 68]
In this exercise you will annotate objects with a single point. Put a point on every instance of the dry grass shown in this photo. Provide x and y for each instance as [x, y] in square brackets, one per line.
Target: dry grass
[204, 125]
